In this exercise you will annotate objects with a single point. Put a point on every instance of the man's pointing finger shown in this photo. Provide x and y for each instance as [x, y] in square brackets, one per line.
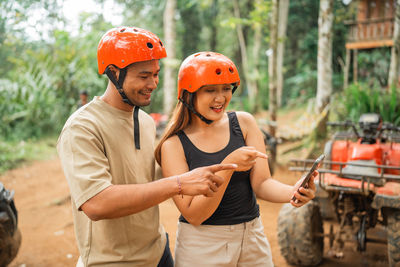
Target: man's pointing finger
[222, 167]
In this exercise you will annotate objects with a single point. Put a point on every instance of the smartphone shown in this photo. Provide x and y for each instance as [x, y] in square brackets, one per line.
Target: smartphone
[307, 178]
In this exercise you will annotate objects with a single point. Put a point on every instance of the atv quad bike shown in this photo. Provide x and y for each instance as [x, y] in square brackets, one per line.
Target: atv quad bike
[358, 186]
[10, 236]
[271, 144]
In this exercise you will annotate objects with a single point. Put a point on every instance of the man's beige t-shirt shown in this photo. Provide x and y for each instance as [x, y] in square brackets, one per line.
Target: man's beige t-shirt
[97, 149]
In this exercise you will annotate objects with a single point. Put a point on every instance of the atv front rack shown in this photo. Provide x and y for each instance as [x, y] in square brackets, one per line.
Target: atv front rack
[343, 174]
[366, 181]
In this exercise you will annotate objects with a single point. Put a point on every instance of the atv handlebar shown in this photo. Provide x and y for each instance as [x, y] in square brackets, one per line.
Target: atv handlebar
[390, 127]
[373, 132]
[347, 123]
[385, 126]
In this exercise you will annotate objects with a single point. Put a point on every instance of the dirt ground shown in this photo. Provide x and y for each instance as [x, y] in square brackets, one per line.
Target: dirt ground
[45, 220]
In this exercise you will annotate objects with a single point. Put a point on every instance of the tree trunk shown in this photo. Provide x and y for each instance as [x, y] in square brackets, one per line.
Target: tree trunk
[256, 57]
[250, 83]
[214, 27]
[324, 84]
[394, 61]
[272, 69]
[346, 69]
[355, 66]
[169, 62]
[282, 24]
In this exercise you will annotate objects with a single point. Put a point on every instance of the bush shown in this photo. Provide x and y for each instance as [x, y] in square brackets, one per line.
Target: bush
[360, 98]
[14, 153]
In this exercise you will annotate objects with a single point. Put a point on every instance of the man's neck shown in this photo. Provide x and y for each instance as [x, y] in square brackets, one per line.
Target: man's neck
[113, 98]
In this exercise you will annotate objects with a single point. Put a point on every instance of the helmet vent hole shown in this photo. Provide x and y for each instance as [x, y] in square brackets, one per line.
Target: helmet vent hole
[161, 43]
[208, 55]
[135, 30]
[122, 30]
[231, 69]
[150, 45]
[218, 71]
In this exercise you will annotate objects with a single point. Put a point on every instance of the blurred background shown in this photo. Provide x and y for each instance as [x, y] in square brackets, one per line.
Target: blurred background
[48, 55]
[302, 64]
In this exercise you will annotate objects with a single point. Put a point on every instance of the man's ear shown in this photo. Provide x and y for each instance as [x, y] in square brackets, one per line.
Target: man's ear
[115, 71]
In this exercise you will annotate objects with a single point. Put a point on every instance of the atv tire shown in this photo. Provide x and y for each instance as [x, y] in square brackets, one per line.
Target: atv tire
[393, 233]
[300, 234]
[9, 245]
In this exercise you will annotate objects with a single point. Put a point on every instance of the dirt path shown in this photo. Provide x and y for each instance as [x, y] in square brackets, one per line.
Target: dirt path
[45, 220]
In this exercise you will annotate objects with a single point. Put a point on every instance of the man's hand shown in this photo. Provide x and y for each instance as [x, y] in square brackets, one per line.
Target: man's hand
[245, 157]
[303, 195]
[203, 180]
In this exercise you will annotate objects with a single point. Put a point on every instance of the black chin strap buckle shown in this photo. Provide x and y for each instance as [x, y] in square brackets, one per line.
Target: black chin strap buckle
[118, 84]
[195, 112]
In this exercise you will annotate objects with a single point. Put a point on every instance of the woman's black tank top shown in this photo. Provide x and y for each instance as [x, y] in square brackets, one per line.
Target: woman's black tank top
[239, 203]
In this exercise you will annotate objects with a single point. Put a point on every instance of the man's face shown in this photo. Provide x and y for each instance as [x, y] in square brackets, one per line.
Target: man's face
[141, 80]
[83, 98]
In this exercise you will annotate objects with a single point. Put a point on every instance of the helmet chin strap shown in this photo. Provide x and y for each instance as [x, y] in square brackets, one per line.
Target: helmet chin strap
[191, 108]
[118, 85]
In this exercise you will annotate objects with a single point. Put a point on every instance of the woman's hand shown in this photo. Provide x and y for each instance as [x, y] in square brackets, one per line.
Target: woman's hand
[304, 194]
[245, 157]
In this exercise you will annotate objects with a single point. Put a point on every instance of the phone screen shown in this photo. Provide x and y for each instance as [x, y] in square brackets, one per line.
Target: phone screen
[307, 178]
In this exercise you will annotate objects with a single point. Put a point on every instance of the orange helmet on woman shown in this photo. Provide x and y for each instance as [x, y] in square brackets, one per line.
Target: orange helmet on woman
[123, 46]
[206, 68]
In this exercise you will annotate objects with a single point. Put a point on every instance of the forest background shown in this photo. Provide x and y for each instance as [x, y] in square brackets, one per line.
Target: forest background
[45, 64]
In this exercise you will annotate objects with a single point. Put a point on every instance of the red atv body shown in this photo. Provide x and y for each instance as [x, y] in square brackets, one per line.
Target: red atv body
[358, 186]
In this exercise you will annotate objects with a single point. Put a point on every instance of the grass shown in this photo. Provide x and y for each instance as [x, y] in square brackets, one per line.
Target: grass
[15, 153]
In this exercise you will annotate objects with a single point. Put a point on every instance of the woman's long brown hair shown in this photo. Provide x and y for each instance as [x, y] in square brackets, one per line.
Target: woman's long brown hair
[179, 120]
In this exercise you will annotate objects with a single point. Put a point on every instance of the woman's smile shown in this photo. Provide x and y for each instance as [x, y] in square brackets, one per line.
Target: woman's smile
[218, 108]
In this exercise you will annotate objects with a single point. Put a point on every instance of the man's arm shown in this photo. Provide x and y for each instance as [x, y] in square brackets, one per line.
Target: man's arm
[121, 200]
[87, 171]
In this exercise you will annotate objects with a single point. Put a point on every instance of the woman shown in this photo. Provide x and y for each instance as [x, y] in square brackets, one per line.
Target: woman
[225, 229]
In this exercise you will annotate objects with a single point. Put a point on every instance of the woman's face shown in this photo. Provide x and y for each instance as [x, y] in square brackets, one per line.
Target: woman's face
[212, 100]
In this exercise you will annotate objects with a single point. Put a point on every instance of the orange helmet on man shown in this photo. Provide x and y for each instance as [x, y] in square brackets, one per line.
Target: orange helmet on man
[121, 47]
[124, 46]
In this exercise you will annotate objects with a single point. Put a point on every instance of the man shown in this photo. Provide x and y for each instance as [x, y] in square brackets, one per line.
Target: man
[83, 98]
[106, 150]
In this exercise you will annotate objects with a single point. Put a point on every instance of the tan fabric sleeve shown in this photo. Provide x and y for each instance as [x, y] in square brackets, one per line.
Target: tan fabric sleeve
[85, 164]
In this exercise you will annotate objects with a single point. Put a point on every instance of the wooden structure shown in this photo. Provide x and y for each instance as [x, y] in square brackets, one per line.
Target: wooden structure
[373, 27]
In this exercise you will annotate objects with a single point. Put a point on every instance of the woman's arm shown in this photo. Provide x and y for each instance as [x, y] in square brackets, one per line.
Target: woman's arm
[199, 208]
[263, 185]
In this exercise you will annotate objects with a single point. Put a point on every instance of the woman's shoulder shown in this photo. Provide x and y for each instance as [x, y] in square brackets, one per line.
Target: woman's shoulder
[171, 142]
[245, 118]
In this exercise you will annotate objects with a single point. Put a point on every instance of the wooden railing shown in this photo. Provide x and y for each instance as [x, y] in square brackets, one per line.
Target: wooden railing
[370, 30]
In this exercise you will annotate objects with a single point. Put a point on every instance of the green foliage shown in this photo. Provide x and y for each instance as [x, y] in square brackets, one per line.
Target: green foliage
[361, 98]
[43, 87]
[14, 153]
[40, 80]
[373, 66]
[302, 86]
[189, 15]
[301, 48]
